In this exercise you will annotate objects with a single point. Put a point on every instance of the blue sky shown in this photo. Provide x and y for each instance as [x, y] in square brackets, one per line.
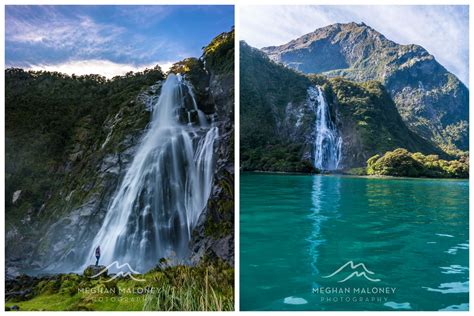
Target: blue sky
[109, 39]
[442, 30]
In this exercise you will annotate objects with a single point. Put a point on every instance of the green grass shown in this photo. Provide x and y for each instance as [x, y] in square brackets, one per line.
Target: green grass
[208, 286]
[191, 293]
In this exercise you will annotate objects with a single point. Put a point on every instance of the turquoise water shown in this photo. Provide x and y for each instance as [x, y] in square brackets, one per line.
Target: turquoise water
[411, 235]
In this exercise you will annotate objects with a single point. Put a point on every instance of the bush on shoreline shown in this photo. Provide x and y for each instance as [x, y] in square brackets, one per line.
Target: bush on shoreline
[402, 163]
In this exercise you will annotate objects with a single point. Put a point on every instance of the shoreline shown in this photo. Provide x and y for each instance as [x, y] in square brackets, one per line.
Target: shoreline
[342, 174]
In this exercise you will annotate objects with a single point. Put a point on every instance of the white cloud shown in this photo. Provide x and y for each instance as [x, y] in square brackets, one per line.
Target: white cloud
[51, 39]
[105, 68]
[145, 15]
[81, 34]
[442, 30]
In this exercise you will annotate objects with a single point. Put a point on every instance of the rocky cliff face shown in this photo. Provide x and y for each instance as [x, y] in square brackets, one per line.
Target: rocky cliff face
[49, 229]
[431, 100]
[214, 235]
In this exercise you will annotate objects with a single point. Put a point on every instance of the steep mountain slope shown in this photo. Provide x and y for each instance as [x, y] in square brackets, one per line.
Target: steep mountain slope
[278, 117]
[430, 99]
[270, 98]
[70, 139]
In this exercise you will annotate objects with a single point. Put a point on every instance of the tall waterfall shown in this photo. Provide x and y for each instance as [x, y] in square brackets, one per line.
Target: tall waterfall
[166, 187]
[328, 143]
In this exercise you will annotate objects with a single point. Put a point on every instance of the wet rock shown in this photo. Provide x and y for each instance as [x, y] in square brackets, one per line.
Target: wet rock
[188, 101]
[213, 236]
[182, 115]
[93, 271]
[11, 273]
[110, 164]
[224, 248]
[76, 156]
[193, 117]
[16, 196]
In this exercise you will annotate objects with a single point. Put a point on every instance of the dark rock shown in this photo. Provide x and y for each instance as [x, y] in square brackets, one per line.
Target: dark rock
[93, 270]
[20, 288]
[214, 235]
[188, 101]
[193, 117]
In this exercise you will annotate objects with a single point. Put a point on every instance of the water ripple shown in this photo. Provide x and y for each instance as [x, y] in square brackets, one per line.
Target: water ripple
[450, 288]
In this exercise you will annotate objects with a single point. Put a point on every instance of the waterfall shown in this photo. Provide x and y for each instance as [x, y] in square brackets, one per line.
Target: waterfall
[328, 143]
[158, 203]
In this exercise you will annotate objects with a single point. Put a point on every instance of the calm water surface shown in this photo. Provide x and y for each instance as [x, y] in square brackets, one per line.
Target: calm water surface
[297, 231]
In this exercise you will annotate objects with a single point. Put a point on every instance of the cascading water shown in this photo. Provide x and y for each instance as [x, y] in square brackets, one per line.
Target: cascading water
[166, 187]
[328, 143]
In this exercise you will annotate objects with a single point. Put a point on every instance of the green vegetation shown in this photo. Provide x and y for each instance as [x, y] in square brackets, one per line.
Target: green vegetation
[220, 209]
[401, 163]
[219, 54]
[208, 286]
[47, 114]
[369, 113]
[265, 90]
[360, 171]
[277, 124]
[217, 58]
[280, 157]
[192, 67]
[193, 70]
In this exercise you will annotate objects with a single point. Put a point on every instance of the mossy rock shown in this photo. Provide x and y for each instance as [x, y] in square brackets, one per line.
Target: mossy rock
[93, 270]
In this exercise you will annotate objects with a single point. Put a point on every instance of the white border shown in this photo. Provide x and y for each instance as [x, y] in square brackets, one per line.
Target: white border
[237, 3]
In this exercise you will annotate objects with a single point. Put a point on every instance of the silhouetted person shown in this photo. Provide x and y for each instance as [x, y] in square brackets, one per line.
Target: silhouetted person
[97, 255]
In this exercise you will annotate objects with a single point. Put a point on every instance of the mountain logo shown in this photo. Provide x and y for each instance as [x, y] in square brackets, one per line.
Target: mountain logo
[125, 270]
[363, 272]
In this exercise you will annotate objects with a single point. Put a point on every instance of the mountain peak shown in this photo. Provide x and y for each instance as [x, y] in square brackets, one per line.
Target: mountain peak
[335, 32]
[420, 86]
[338, 45]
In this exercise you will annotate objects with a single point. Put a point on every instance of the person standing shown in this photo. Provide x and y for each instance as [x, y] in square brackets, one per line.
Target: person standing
[97, 255]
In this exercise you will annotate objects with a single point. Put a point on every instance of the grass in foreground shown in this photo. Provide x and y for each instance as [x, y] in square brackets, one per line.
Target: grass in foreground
[205, 287]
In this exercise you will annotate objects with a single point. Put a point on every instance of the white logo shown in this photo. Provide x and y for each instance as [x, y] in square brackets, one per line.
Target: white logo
[351, 265]
[129, 272]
